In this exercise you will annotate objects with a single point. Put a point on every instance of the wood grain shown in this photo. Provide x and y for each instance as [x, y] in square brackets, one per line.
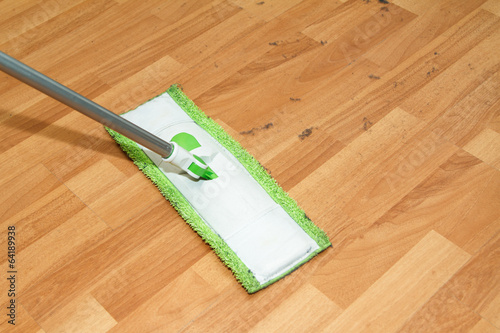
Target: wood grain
[444, 313]
[382, 120]
[484, 146]
[389, 301]
[468, 284]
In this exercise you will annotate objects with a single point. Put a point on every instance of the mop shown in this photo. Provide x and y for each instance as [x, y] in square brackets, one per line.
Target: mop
[220, 190]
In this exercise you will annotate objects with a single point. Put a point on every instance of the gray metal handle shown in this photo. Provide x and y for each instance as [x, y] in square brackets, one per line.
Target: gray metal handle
[76, 101]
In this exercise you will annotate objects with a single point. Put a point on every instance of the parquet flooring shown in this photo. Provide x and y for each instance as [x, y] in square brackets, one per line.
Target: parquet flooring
[380, 118]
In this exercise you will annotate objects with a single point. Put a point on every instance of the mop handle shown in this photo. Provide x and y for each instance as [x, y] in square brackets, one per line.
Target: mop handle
[76, 101]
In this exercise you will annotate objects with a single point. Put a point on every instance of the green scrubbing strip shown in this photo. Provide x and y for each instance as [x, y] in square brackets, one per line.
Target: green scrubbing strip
[179, 202]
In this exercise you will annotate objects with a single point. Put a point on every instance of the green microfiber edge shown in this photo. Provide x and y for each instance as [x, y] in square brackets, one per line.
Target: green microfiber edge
[179, 202]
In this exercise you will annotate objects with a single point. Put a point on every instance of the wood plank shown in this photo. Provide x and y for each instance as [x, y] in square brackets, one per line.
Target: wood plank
[340, 189]
[443, 312]
[83, 312]
[457, 81]
[464, 219]
[380, 119]
[403, 288]
[484, 327]
[167, 257]
[24, 323]
[462, 128]
[492, 6]
[372, 22]
[80, 276]
[32, 17]
[125, 200]
[486, 146]
[476, 284]
[421, 31]
[14, 8]
[34, 116]
[143, 85]
[469, 222]
[401, 83]
[85, 144]
[248, 310]
[16, 197]
[190, 53]
[218, 277]
[172, 308]
[104, 177]
[307, 309]
[294, 84]
[68, 243]
[173, 11]
[267, 10]
[75, 17]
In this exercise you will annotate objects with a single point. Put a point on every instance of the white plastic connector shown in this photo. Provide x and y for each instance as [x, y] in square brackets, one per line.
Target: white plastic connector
[182, 158]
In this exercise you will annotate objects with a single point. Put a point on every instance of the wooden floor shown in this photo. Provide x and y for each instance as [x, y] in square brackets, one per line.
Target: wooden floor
[382, 120]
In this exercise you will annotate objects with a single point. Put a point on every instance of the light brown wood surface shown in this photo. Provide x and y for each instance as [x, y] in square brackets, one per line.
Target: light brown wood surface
[381, 120]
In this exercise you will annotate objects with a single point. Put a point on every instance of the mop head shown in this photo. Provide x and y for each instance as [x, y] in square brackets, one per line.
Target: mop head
[256, 229]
